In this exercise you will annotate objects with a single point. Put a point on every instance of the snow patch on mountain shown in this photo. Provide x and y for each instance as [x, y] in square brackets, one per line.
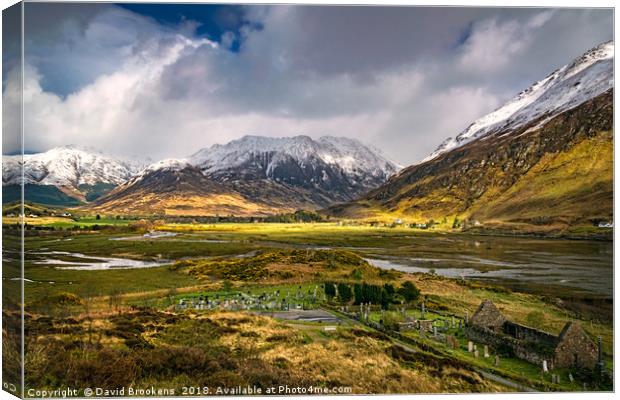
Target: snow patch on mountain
[585, 78]
[65, 166]
[349, 155]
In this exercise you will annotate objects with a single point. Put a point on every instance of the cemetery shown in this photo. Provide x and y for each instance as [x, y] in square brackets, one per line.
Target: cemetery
[571, 348]
[487, 337]
[488, 340]
[262, 298]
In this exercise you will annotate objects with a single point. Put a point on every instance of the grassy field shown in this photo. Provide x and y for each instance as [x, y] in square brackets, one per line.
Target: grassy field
[66, 222]
[225, 261]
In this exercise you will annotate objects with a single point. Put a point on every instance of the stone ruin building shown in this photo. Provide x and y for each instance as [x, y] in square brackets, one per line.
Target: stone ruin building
[571, 348]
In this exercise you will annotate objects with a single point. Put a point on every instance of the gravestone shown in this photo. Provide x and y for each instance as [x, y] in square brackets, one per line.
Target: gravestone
[600, 365]
[570, 378]
[434, 331]
[452, 322]
[553, 378]
[544, 366]
[452, 342]
[470, 346]
[476, 354]
[496, 363]
[486, 351]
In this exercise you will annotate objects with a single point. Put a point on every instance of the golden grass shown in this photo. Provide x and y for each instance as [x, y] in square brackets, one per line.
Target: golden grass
[36, 221]
[342, 359]
[196, 205]
[558, 185]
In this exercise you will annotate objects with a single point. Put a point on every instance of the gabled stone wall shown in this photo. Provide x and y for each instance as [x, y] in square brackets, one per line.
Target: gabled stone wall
[573, 347]
[488, 316]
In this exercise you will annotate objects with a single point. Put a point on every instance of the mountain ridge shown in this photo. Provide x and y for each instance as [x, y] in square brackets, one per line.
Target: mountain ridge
[262, 172]
[490, 178]
[557, 92]
[265, 175]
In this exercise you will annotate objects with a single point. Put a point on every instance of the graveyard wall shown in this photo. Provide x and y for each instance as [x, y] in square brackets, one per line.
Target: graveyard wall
[529, 334]
[529, 351]
[575, 348]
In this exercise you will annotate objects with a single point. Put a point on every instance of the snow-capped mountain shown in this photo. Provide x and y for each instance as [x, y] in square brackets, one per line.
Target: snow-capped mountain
[295, 171]
[565, 88]
[69, 166]
[298, 160]
[165, 165]
[254, 175]
[540, 164]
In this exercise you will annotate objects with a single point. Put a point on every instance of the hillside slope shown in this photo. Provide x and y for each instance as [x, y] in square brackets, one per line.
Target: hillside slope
[253, 175]
[177, 188]
[551, 169]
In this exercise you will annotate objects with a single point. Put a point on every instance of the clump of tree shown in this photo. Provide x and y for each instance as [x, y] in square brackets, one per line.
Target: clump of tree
[344, 293]
[297, 216]
[409, 291]
[330, 290]
[383, 295]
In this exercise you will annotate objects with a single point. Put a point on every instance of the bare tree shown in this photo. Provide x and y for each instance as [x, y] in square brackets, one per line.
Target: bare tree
[115, 300]
[88, 294]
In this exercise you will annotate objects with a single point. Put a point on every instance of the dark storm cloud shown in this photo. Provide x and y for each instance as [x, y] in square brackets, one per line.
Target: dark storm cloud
[400, 78]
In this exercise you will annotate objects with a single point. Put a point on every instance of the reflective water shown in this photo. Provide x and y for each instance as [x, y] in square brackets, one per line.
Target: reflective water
[78, 261]
[581, 267]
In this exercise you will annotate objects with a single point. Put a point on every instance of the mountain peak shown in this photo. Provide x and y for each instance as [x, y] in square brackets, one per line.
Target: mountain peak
[588, 76]
[349, 154]
[167, 164]
[68, 165]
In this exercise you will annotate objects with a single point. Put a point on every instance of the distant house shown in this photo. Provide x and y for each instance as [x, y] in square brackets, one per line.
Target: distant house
[33, 216]
[571, 348]
[606, 224]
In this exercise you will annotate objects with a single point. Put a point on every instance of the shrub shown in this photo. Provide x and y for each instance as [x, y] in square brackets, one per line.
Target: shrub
[344, 292]
[330, 289]
[409, 291]
[67, 299]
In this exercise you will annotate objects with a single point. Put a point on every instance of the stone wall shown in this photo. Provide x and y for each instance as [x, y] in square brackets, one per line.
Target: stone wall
[575, 348]
[488, 316]
[528, 351]
[529, 334]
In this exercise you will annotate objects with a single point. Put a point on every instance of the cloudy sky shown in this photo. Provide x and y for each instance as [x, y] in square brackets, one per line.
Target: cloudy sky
[165, 80]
